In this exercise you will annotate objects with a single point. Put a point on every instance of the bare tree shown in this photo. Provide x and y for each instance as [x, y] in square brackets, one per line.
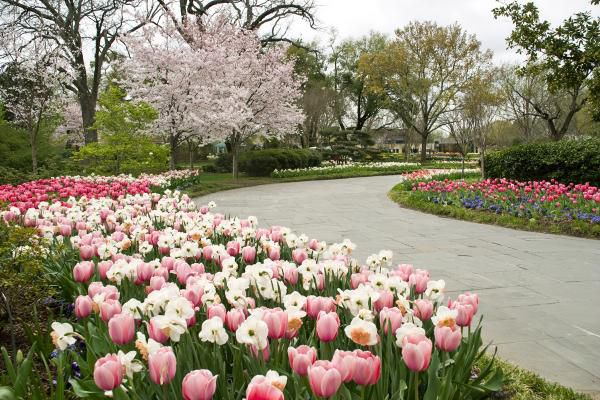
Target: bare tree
[272, 17]
[422, 71]
[516, 108]
[85, 33]
[557, 109]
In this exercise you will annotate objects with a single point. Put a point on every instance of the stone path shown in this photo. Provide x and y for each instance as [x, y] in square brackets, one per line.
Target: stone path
[540, 293]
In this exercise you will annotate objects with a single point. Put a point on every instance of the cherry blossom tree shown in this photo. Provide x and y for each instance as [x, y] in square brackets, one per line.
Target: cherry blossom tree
[30, 88]
[214, 81]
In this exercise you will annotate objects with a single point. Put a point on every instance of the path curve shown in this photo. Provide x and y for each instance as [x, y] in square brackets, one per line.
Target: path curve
[540, 293]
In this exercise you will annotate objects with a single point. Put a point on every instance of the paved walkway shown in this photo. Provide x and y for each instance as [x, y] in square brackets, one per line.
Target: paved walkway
[540, 293]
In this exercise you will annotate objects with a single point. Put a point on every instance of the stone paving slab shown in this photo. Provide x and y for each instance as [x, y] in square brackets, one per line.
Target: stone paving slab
[540, 293]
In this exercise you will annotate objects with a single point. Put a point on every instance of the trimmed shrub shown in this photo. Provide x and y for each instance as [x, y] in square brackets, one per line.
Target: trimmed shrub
[264, 162]
[576, 161]
[224, 163]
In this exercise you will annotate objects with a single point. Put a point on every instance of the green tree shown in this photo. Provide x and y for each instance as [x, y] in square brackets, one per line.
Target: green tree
[355, 103]
[123, 145]
[566, 56]
[422, 71]
[317, 91]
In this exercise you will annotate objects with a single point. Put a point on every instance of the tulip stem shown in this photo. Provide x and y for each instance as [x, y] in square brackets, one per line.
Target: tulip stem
[416, 385]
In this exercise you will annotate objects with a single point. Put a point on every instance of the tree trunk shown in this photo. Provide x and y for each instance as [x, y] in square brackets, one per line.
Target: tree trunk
[173, 146]
[34, 160]
[482, 162]
[88, 117]
[191, 149]
[462, 174]
[424, 148]
[236, 154]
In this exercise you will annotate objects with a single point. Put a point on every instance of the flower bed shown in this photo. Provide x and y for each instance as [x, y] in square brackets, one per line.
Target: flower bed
[330, 169]
[175, 301]
[546, 200]
[31, 194]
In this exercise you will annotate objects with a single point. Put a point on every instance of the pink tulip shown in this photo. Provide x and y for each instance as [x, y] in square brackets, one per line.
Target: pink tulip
[390, 318]
[121, 328]
[277, 321]
[344, 362]
[416, 352]
[465, 314]
[274, 253]
[328, 325]
[301, 358]
[447, 338]
[207, 253]
[234, 319]
[263, 354]
[83, 271]
[109, 308]
[217, 310]
[404, 271]
[198, 268]
[419, 280]
[168, 263]
[233, 248]
[162, 365]
[386, 299]
[108, 372]
[103, 267]
[324, 378]
[155, 332]
[290, 274]
[83, 306]
[357, 279]
[367, 368]
[193, 294]
[249, 254]
[423, 309]
[469, 298]
[156, 283]
[299, 255]
[86, 252]
[314, 305]
[144, 272]
[95, 288]
[65, 230]
[199, 385]
[263, 390]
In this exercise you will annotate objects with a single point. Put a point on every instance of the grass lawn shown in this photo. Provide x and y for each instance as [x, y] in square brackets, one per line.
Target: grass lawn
[403, 195]
[216, 182]
[520, 384]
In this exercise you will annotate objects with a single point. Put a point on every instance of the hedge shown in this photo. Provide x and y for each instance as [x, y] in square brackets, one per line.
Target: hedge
[264, 162]
[576, 161]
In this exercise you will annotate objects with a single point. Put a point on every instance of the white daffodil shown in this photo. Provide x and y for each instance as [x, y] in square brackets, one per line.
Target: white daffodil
[146, 347]
[62, 335]
[172, 326]
[294, 300]
[445, 317]
[435, 290]
[362, 332]
[129, 363]
[253, 332]
[213, 331]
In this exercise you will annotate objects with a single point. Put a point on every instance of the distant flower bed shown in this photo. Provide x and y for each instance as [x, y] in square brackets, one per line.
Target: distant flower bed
[68, 188]
[348, 168]
[547, 200]
[172, 300]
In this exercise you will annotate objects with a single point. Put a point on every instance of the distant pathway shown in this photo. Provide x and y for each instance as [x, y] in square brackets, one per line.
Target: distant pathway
[540, 293]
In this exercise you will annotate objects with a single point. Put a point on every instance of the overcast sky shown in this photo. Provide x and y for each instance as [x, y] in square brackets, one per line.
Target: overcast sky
[355, 18]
